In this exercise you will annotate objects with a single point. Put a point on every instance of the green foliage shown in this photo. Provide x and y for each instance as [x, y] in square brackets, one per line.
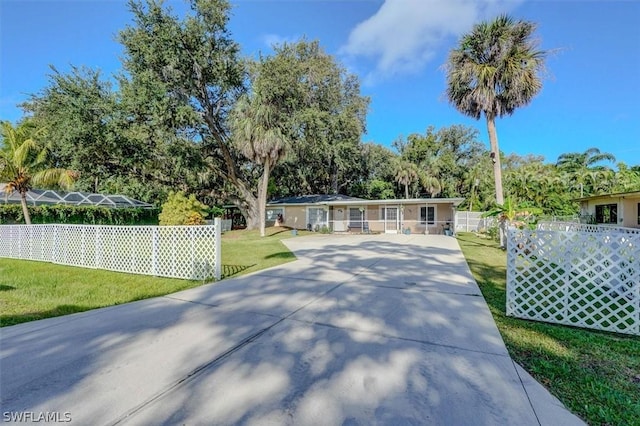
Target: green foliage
[110, 137]
[23, 162]
[513, 212]
[326, 114]
[448, 162]
[182, 210]
[215, 211]
[182, 76]
[60, 213]
[594, 374]
[495, 69]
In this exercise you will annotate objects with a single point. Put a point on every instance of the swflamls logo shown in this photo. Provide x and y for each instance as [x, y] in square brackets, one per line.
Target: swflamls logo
[35, 417]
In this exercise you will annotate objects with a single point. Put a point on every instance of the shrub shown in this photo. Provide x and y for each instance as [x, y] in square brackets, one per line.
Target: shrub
[62, 213]
[182, 210]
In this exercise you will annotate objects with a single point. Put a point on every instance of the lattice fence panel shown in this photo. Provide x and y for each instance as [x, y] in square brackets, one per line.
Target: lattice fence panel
[191, 252]
[587, 278]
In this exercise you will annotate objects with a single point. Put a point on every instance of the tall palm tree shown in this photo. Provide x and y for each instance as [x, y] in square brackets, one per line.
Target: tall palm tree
[494, 70]
[256, 133]
[23, 163]
[572, 161]
[581, 168]
[406, 174]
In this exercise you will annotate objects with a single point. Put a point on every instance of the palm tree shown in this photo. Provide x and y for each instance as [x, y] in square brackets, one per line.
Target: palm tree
[573, 161]
[581, 167]
[507, 213]
[430, 183]
[22, 163]
[406, 174]
[256, 133]
[494, 70]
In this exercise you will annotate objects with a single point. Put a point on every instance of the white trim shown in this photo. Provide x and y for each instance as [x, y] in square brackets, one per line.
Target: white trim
[383, 217]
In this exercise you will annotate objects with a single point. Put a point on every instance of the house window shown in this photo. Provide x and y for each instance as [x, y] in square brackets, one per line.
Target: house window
[428, 215]
[271, 213]
[638, 213]
[317, 217]
[607, 213]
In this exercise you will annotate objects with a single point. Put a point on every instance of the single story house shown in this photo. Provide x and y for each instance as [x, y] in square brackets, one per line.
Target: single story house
[621, 209]
[340, 213]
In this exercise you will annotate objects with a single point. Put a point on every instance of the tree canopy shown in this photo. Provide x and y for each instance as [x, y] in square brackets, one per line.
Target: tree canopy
[188, 113]
[494, 70]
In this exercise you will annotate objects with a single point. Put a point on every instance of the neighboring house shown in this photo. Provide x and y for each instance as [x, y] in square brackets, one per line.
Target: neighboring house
[621, 209]
[340, 213]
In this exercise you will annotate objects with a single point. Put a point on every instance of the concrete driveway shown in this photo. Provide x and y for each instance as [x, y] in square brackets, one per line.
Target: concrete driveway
[386, 329]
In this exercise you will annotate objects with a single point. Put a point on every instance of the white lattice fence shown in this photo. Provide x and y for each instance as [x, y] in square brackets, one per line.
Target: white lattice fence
[584, 227]
[582, 278]
[191, 252]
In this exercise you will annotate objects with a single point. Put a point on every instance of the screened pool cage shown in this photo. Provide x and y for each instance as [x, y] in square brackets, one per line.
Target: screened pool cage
[39, 197]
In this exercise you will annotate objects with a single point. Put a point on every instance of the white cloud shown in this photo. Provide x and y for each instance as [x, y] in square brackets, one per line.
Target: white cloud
[405, 34]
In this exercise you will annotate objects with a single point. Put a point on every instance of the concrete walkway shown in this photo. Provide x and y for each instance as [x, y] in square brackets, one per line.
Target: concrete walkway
[387, 329]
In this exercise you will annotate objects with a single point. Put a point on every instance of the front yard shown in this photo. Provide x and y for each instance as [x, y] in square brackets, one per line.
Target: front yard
[595, 374]
[35, 290]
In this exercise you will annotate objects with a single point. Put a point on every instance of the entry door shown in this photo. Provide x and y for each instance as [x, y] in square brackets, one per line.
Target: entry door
[391, 224]
[338, 219]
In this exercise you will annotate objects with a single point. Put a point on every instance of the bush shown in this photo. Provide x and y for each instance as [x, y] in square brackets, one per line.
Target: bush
[62, 213]
[180, 210]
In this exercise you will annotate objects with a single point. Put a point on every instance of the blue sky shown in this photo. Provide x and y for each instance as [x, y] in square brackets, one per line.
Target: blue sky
[590, 97]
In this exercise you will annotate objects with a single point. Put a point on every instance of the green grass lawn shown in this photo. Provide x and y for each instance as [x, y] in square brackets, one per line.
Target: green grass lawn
[595, 374]
[35, 290]
[245, 251]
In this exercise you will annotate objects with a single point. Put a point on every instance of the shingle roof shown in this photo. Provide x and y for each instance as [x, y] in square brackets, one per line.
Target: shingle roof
[313, 199]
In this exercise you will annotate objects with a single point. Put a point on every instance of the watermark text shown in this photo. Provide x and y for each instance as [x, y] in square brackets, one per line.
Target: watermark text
[36, 417]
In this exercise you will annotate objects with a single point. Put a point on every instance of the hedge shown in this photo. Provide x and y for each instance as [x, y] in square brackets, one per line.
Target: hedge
[60, 213]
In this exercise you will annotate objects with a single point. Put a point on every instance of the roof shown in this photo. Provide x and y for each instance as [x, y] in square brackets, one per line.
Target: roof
[313, 199]
[632, 194]
[343, 200]
[39, 197]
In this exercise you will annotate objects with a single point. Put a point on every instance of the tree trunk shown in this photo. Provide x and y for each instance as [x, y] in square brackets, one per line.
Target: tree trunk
[262, 195]
[406, 191]
[248, 205]
[502, 231]
[334, 177]
[25, 210]
[251, 214]
[495, 150]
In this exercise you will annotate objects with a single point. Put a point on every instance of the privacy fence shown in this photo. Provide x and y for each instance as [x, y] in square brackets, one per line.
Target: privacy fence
[473, 221]
[575, 274]
[189, 252]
